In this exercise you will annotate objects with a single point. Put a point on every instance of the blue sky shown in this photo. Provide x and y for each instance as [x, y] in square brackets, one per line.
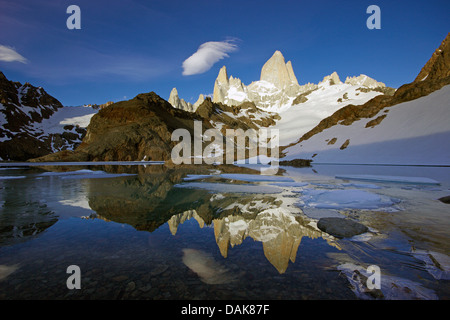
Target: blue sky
[129, 47]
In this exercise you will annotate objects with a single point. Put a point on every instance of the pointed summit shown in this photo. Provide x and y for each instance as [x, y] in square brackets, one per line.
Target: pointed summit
[222, 78]
[178, 103]
[221, 85]
[278, 72]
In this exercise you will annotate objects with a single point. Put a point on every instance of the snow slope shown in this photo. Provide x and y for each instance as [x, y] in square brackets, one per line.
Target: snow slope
[412, 133]
[80, 116]
[323, 102]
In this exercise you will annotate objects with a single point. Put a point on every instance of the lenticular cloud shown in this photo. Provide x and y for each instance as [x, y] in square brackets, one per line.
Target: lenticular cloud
[206, 56]
[8, 54]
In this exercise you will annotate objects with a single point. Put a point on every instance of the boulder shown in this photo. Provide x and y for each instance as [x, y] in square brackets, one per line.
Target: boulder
[445, 199]
[341, 227]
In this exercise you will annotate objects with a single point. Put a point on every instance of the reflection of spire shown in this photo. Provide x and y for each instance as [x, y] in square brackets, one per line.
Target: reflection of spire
[279, 231]
[178, 219]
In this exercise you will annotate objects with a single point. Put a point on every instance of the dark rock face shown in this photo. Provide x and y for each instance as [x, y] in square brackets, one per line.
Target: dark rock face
[21, 107]
[340, 227]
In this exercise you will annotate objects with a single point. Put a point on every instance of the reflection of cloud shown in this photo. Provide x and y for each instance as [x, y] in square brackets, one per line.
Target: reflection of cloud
[206, 56]
[206, 267]
[8, 54]
[5, 270]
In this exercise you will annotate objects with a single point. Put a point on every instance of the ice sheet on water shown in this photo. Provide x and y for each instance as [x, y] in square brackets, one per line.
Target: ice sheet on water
[290, 184]
[65, 173]
[191, 177]
[230, 188]
[84, 174]
[11, 177]
[255, 177]
[345, 199]
[361, 185]
[396, 179]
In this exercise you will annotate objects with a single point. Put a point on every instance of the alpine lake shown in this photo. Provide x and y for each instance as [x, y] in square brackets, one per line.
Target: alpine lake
[145, 231]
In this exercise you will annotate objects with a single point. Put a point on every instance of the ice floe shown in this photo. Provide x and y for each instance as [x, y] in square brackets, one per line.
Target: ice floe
[345, 199]
[290, 184]
[230, 188]
[361, 185]
[11, 177]
[395, 179]
[191, 177]
[255, 177]
[84, 174]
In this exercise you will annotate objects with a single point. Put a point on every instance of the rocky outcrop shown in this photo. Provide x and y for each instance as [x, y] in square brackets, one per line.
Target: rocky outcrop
[299, 163]
[340, 227]
[178, 103]
[100, 106]
[445, 199]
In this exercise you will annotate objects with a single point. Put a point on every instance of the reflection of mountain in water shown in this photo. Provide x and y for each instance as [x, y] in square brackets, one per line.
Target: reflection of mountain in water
[279, 231]
[22, 215]
[150, 200]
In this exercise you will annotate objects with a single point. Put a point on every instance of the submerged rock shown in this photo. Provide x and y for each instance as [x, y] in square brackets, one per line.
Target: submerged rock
[341, 228]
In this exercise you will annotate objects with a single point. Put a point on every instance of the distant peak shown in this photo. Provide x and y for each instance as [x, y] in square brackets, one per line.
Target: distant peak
[223, 75]
[332, 79]
[278, 53]
[278, 72]
[364, 80]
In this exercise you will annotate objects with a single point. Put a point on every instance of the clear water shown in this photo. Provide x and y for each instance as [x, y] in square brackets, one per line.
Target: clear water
[142, 232]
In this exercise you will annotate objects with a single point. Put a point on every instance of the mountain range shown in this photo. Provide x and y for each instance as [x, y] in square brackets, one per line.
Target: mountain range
[33, 123]
[359, 120]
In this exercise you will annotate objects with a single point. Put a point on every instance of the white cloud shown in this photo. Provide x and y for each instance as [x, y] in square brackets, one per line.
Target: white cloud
[8, 54]
[206, 56]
